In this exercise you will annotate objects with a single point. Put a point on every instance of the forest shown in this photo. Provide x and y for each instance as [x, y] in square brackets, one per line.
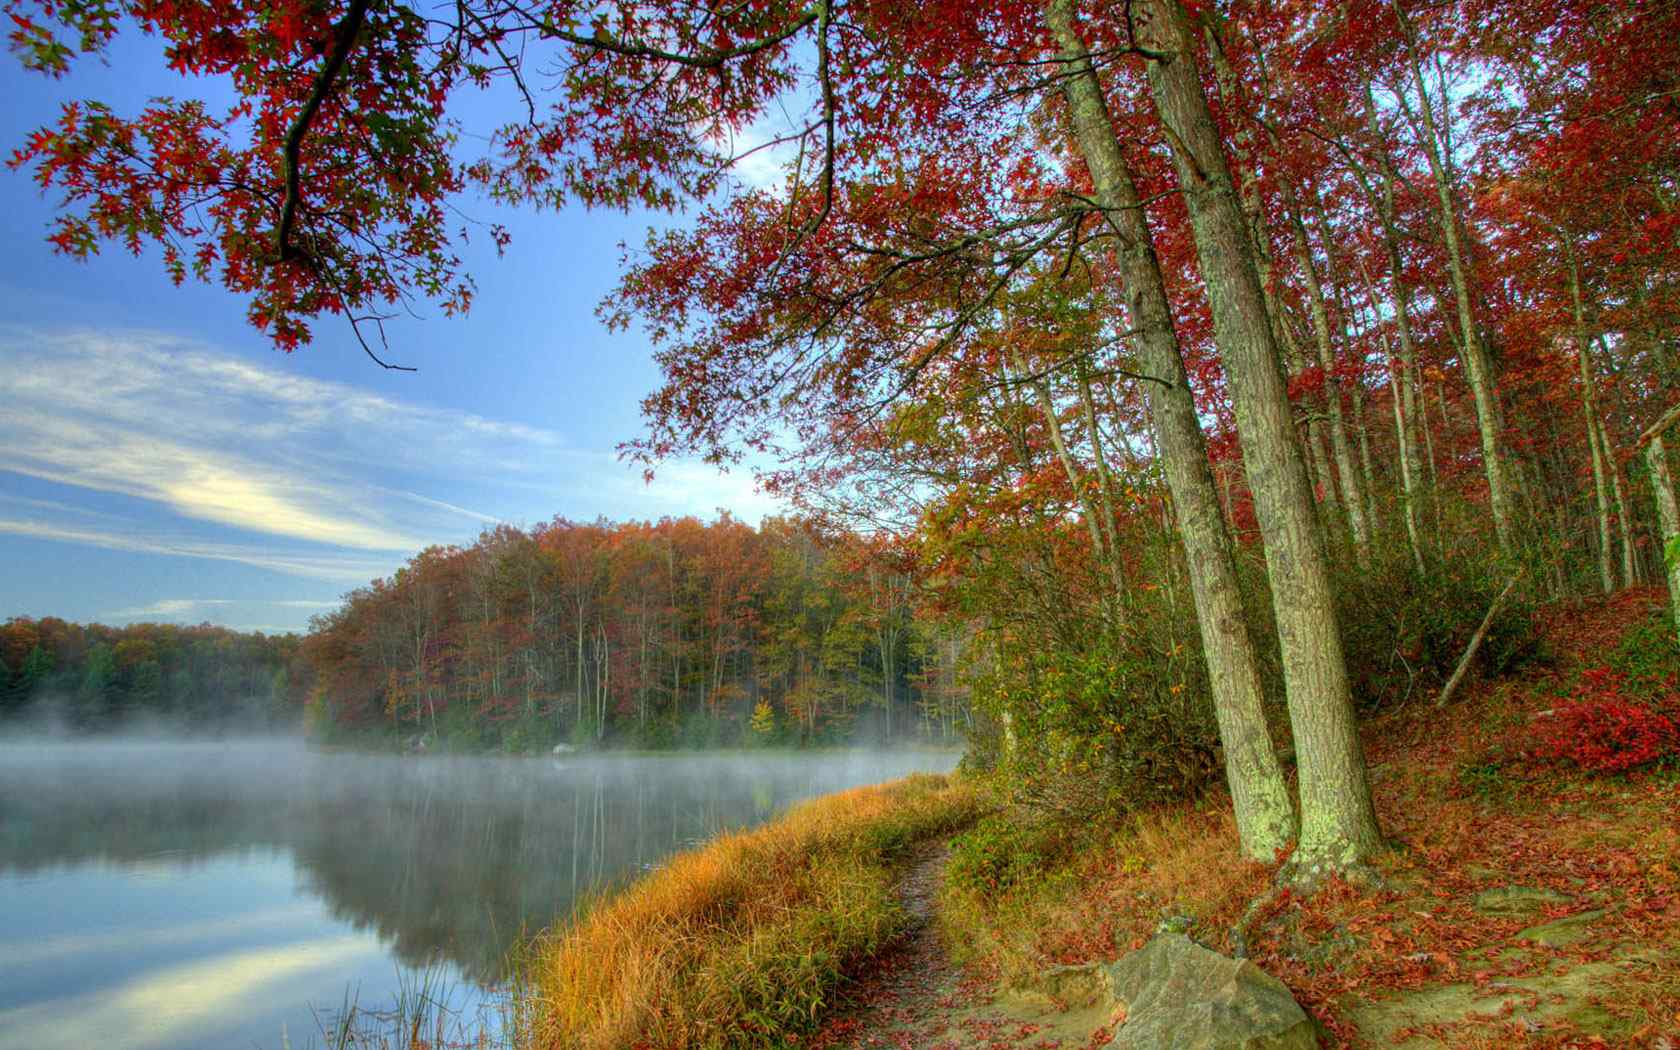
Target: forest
[670, 634]
[61, 676]
[1217, 374]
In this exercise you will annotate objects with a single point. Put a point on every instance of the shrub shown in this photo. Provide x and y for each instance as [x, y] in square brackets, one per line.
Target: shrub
[1404, 633]
[1114, 726]
[1002, 851]
[1598, 730]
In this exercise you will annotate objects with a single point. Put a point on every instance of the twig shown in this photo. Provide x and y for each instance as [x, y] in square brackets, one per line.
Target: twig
[1655, 429]
[1475, 643]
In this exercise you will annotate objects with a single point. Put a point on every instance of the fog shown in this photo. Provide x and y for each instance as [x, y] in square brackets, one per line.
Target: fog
[439, 857]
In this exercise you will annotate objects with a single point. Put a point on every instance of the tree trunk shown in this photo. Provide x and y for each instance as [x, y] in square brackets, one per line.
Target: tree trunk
[1367, 474]
[1338, 822]
[1589, 413]
[1260, 241]
[1668, 516]
[1401, 377]
[1478, 365]
[1105, 483]
[1264, 813]
[1624, 524]
[1353, 499]
[1053, 426]
[1368, 480]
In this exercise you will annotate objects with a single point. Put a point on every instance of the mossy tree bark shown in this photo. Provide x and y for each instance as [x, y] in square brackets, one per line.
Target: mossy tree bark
[1339, 827]
[1264, 812]
[1668, 517]
[1334, 491]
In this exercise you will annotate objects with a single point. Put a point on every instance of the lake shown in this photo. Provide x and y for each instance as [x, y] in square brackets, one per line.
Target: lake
[226, 894]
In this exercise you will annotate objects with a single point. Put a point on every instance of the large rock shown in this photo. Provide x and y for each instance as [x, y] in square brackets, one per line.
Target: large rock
[1180, 996]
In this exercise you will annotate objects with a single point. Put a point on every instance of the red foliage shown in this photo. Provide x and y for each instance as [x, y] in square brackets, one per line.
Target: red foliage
[1600, 731]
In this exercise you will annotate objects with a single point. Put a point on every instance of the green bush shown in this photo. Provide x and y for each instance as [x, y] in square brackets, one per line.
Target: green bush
[1404, 633]
[1001, 852]
[1114, 726]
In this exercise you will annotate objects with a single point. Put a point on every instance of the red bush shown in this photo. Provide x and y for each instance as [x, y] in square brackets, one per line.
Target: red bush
[1600, 731]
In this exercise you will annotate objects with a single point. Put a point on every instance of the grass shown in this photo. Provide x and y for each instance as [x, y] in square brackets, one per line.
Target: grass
[428, 1012]
[1102, 888]
[743, 941]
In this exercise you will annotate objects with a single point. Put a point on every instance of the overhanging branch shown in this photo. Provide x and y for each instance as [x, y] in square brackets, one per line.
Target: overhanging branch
[344, 38]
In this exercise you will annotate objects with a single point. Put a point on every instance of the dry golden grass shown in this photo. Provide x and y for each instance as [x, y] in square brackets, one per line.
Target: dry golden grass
[1107, 887]
[741, 941]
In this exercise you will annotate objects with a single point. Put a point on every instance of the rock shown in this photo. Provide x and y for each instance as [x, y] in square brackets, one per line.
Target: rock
[1182, 996]
[1516, 900]
[1061, 989]
[1559, 933]
[1568, 997]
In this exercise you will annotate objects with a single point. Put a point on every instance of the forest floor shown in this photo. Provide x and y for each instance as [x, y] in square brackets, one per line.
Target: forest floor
[1524, 904]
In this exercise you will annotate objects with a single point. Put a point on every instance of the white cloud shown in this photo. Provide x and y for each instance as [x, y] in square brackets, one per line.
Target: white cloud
[334, 566]
[211, 608]
[319, 479]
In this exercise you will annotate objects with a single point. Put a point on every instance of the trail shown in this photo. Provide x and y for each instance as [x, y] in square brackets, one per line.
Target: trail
[915, 997]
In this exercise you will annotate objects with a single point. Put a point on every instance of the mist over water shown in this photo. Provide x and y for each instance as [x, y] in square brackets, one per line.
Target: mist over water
[207, 893]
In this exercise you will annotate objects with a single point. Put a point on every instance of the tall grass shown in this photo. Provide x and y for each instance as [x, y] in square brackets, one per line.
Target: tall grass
[740, 942]
[428, 1012]
[1097, 888]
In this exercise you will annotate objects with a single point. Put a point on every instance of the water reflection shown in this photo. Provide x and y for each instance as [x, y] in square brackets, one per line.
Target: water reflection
[442, 857]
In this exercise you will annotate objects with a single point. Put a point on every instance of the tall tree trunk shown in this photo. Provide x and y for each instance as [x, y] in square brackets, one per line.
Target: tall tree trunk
[1354, 500]
[1105, 481]
[1260, 241]
[1099, 526]
[1624, 524]
[1668, 517]
[1338, 821]
[1589, 414]
[1478, 364]
[1367, 474]
[1356, 396]
[1402, 378]
[1264, 812]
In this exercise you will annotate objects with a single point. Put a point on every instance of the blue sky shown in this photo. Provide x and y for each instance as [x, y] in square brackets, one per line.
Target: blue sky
[160, 461]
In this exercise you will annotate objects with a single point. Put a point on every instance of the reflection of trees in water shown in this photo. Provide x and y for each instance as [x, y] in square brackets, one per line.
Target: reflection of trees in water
[441, 857]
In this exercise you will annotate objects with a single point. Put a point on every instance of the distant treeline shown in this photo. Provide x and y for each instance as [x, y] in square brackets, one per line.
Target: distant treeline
[92, 677]
[671, 634]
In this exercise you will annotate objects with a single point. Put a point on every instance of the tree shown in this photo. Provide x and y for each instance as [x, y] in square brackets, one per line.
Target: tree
[1338, 821]
[1037, 282]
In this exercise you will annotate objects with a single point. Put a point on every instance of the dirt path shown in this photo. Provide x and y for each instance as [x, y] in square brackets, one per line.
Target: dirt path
[916, 998]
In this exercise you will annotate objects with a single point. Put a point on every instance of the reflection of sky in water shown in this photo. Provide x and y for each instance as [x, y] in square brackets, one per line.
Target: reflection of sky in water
[165, 956]
[177, 897]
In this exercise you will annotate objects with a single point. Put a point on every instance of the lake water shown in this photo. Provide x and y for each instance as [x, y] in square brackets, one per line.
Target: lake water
[229, 894]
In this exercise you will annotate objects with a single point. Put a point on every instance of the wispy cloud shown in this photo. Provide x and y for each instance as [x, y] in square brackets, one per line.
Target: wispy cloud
[213, 609]
[328, 565]
[318, 479]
